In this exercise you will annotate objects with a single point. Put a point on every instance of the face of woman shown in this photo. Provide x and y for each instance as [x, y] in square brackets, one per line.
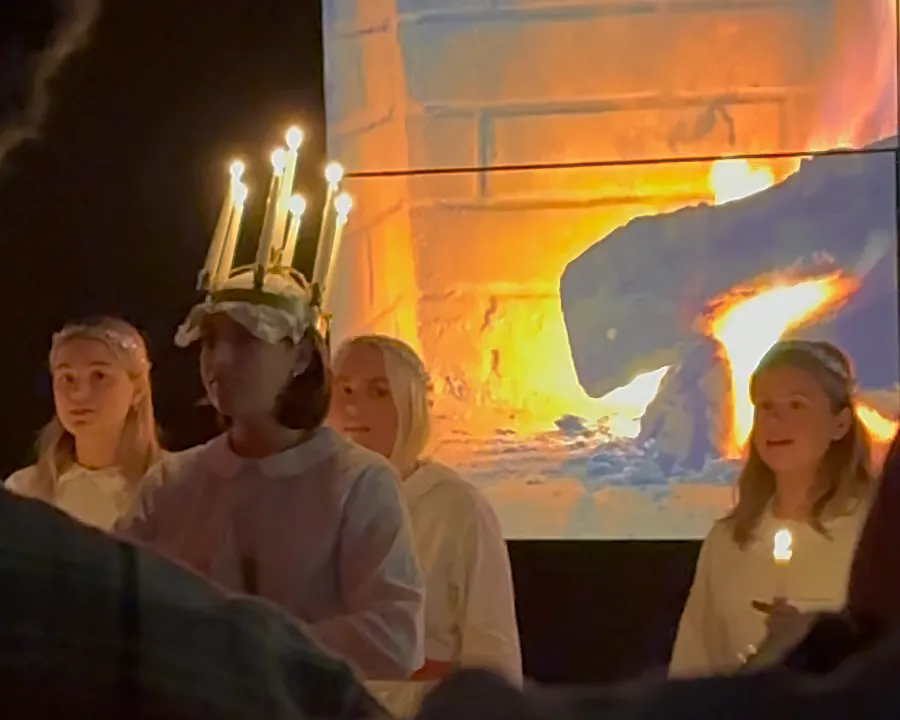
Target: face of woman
[243, 376]
[363, 408]
[794, 423]
[92, 391]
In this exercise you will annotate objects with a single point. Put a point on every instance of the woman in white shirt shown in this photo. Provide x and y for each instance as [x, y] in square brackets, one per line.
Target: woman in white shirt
[807, 472]
[102, 438]
[381, 402]
[279, 506]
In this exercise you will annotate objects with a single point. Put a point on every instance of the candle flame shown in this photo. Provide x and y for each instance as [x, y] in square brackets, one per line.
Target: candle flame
[334, 173]
[297, 205]
[279, 160]
[236, 170]
[782, 550]
[343, 204]
[294, 137]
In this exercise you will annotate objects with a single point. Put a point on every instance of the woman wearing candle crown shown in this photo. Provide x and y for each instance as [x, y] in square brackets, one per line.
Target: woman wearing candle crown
[807, 472]
[279, 506]
[381, 402]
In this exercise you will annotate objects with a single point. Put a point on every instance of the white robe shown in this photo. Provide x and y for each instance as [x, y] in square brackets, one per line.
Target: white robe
[319, 529]
[470, 613]
[470, 609]
[95, 497]
[719, 628]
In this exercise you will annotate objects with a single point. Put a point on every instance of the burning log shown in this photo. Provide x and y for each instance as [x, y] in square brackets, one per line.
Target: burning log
[631, 301]
[688, 422]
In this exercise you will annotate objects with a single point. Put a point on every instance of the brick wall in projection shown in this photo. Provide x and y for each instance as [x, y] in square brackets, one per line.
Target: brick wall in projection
[473, 83]
[467, 265]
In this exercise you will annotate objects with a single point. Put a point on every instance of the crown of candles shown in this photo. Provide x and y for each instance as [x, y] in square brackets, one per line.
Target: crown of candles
[281, 226]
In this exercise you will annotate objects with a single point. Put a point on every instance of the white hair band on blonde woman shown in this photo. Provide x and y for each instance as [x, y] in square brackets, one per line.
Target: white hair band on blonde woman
[108, 335]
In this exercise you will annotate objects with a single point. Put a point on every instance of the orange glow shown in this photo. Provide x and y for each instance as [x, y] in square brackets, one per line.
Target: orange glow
[881, 429]
[750, 321]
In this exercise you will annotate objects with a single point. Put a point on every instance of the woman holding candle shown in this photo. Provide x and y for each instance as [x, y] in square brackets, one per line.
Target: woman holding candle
[381, 402]
[279, 506]
[102, 438]
[807, 472]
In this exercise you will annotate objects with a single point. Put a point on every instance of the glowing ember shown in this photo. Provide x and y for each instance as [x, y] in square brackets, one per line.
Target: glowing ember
[733, 179]
[749, 323]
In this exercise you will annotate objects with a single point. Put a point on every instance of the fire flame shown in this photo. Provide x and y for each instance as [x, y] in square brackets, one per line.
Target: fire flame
[733, 179]
[749, 322]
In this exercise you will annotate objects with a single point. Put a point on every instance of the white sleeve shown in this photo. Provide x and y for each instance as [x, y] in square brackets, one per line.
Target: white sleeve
[21, 481]
[694, 652]
[381, 627]
[490, 634]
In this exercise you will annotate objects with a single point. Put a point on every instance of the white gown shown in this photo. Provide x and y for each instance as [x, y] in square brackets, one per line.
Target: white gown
[319, 529]
[719, 628]
[96, 497]
[470, 613]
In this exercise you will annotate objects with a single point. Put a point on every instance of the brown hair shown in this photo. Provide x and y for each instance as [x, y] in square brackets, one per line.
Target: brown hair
[306, 399]
[845, 477]
[139, 445]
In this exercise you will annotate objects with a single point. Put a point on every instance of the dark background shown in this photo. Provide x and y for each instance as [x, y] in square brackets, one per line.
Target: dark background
[111, 212]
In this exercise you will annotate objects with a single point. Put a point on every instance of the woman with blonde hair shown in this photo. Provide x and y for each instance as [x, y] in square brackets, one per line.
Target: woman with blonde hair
[382, 402]
[807, 481]
[103, 436]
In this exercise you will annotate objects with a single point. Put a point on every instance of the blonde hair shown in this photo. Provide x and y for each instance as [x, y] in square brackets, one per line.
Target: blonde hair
[410, 390]
[139, 446]
[845, 477]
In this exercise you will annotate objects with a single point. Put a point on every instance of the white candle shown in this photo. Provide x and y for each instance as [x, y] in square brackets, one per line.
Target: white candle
[226, 262]
[782, 552]
[342, 205]
[267, 236]
[214, 254]
[296, 207]
[294, 140]
[333, 174]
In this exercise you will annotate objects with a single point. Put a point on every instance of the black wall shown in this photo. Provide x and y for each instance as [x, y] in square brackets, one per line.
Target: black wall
[598, 611]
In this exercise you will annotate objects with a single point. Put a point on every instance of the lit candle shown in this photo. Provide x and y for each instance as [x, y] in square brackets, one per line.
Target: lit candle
[342, 205]
[214, 254]
[226, 261]
[267, 236]
[294, 140]
[296, 207]
[782, 552]
[333, 174]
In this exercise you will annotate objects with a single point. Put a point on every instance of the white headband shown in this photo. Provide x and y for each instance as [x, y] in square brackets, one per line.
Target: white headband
[812, 349]
[109, 335]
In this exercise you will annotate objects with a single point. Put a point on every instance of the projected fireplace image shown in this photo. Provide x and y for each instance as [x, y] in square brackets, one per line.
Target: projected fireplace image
[590, 330]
